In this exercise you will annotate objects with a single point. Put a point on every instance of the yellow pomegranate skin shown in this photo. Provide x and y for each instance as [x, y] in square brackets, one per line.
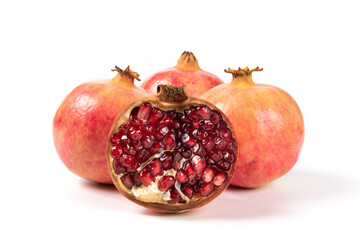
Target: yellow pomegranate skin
[82, 123]
[269, 127]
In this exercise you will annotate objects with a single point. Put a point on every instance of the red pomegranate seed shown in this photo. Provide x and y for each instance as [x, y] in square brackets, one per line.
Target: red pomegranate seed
[155, 167]
[117, 167]
[115, 139]
[208, 174]
[220, 178]
[206, 189]
[208, 144]
[223, 165]
[135, 133]
[226, 134]
[195, 124]
[175, 196]
[229, 156]
[187, 141]
[166, 120]
[187, 191]
[176, 163]
[166, 182]
[143, 155]
[128, 181]
[156, 114]
[125, 139]
[147, 129]
[209, 161]
[123, 129]
[137, 145]
[215, 117]
[186, 153]
[161, 132]
[129, 149]
[222, 124]
[181, 177]
[129, 162]
[157, 147]
[198, 149]
[216, 155]
[137, 181]
[198, 163]
[185, 119]
[166, 159]
[116, 152]
[206, 125]
[190, 172]
[220, 143]
[203, 112]
[231, 145]
[144, 111]
[169, 142]
[134, 121]
[186, 128]
[148, 141]
[146, 177]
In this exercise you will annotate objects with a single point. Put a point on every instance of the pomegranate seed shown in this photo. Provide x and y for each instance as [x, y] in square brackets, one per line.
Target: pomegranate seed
[144, 111]
[208, 144]
[223, 165]
[186, 153]
[117, 167]
[185, 119]
[129, 149]
[177, 125]
[161, 132]
[216, 155]
[203, 112]
[129, 162]
[220, 178]
[220, 143]
[187, 191]
[127, 181]
[148, 129]
[176, 164]
[199, 134]
[148, 141]
[166, 120]
[190, 172]
[229, 156]
[181, 177]
[187, 141]
[231, 145]
[186, 128]
[222, 124]
[191, 114]
[115, 139]
[137, 145]
[133, 117]
[137, 181]
[157, 147]
[208, 174]
[155, 115]
[123, 129]
[174, 195]
[214, 133]
[146, 177]
[125, 139]
[195, 124]
[206, 125]
[155, 167]
[215, 117]
[198, 149]
[198, 163]
[226, 134]
[206, 189]
[166, 182]
[209, 161]
[166, 159]
[169, 142]
[135, 133]
[116, 152]
[143, 155]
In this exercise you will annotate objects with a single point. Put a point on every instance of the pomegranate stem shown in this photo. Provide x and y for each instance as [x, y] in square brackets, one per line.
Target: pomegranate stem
[169, 93]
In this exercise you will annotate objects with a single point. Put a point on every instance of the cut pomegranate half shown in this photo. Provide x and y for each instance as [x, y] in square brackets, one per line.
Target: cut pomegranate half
[174, 154]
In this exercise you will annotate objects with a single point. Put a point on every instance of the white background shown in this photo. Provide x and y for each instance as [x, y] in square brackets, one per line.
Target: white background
[309, 48]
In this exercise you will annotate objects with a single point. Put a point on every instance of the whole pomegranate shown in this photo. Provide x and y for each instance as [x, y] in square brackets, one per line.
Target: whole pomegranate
[268, 124]
[82, 123]
[186, 73]
[170, 152]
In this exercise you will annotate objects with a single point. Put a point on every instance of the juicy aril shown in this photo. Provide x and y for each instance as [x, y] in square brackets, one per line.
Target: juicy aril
[170, 152]
[82, 123]
[268, 124]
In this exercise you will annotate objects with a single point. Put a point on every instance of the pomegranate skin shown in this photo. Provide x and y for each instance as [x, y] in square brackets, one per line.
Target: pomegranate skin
[186, 73]
[82, 123]
[269, 127]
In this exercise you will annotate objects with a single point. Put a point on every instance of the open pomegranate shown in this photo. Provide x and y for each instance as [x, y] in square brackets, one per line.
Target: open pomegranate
[186, 73]
[82, 123]
[268, 123]
[170, 152]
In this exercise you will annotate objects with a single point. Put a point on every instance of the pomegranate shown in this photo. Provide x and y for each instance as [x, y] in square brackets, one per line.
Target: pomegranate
[186, 73]
[268, 124]
[83, 121]
[170, 152]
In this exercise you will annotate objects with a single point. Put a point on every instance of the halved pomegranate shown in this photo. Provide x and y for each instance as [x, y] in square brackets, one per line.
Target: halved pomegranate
[170, 152]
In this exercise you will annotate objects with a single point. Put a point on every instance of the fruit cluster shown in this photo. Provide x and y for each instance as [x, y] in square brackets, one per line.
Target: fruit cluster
[173, 151]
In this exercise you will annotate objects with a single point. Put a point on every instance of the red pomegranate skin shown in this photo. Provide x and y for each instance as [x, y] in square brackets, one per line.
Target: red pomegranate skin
[186, 73]
[82, 123]
[269, 127]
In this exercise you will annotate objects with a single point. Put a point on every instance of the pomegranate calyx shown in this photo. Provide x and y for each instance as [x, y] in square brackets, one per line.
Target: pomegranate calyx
[169, 93]
[242, 76]
[127, 73]
[188, 61]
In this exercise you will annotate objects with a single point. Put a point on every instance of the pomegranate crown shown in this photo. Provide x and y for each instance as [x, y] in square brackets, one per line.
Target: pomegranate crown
[188, 61]
[170, 93]
[127, 72]
[242, 71]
